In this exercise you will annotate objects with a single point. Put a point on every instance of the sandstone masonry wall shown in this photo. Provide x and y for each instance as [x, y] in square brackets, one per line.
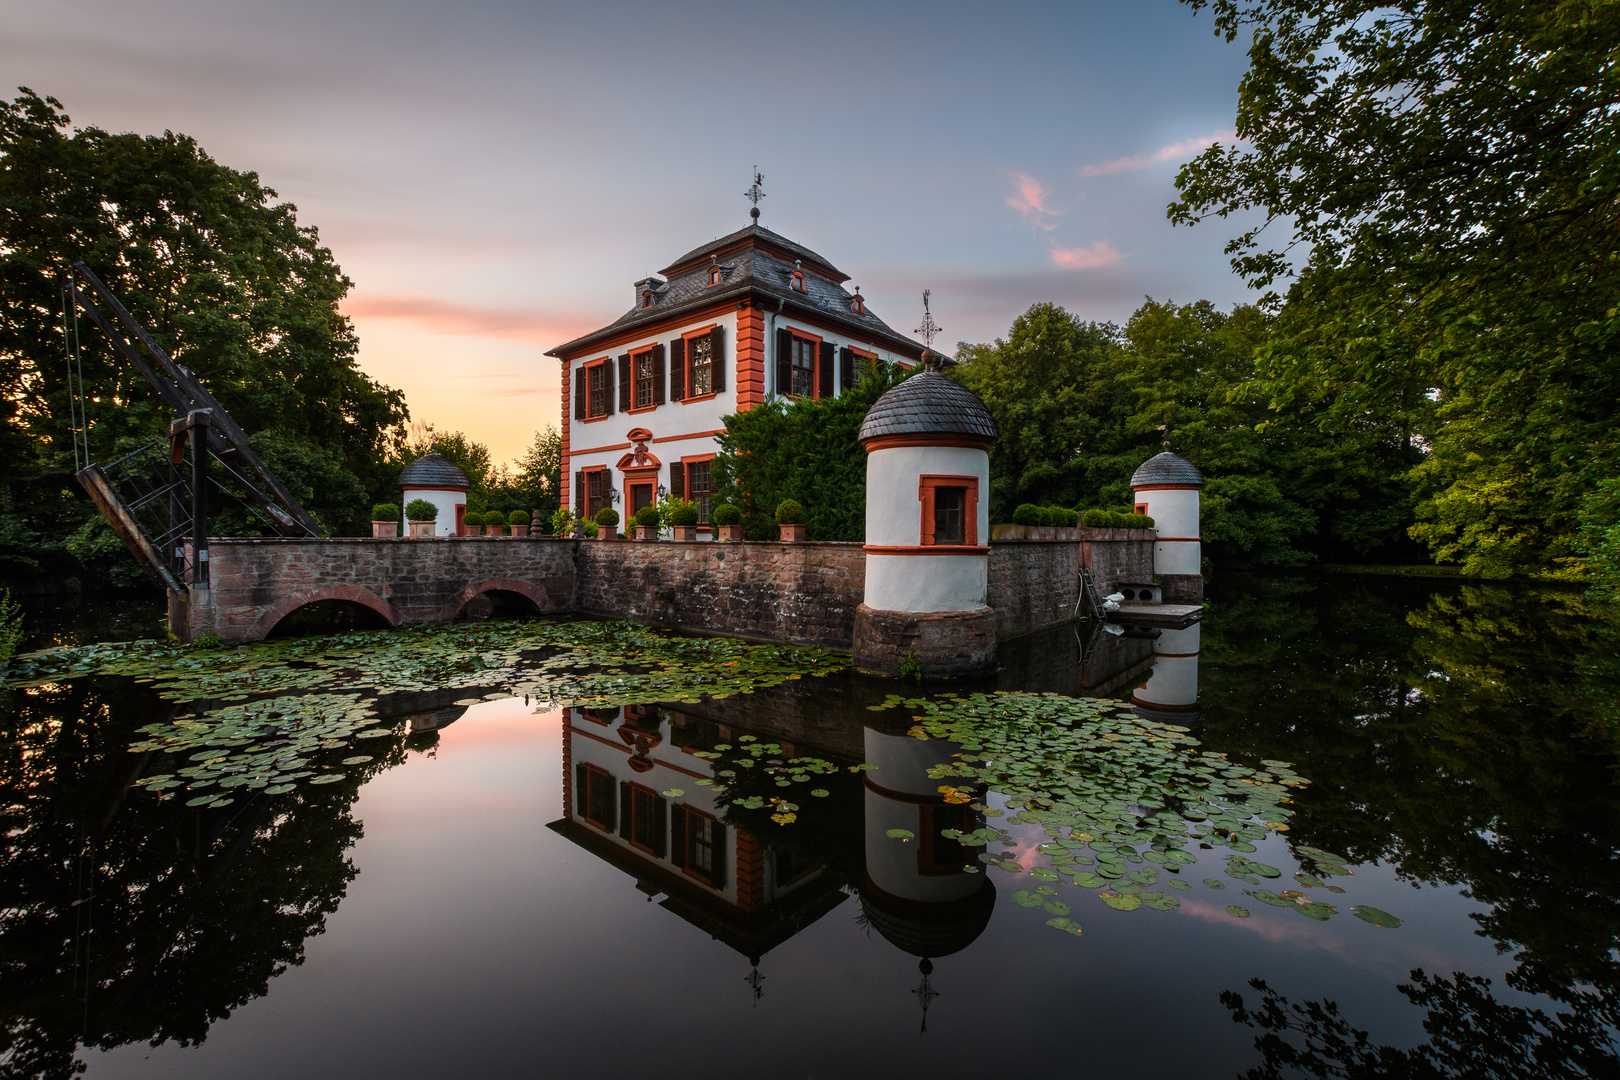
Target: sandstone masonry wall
[805, 593]
[1035, 583]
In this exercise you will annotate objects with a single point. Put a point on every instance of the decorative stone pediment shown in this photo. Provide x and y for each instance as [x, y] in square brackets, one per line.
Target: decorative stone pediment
[639, 458]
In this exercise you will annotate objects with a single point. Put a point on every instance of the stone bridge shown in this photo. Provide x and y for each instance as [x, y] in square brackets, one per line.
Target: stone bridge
[806, 593]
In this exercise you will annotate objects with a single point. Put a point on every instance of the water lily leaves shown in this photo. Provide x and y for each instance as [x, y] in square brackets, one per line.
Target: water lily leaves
[1025, 898]
[1159, 901]
[1056, 907]
[1375, 916]
[1066, 925]
[358, 759]
[1010, 866]
[1176, 883]
[199, 800]
[670, 793]
[1120, 902]
[900, 834]
[1041, 873]
[1237, 912]
[1215, 883]
[327, 778]
[1088, 880]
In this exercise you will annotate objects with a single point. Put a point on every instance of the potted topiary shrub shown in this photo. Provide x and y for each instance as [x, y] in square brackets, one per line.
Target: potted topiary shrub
[607, 524]
[385, 521]
[518, 520]
[683, 519]
[422, 515]
[474, 521]
[647, 521]
[790, 517]
[727, 522]
[494, 522]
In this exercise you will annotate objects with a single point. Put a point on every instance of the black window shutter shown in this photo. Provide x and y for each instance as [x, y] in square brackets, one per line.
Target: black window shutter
[677, 835]
[579, 493]
[582, 379]
[677, 479]
[677, 369]
[658, 374]
[846, 369]
[717, 357]
[825, 374]
[660, 835]
[607, 388]
[581, 779]
[627, 387]
[624, 809]
[784, 362]
[719, 878]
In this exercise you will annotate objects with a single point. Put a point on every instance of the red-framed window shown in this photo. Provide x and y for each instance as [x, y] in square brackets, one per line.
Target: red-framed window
[950, 510]
[598, 490]
[643, 818]
[804, 364]
[594, 800]
[1141, 508]
[593, 395]
[692, 478]
[698, 845]
[646, 378]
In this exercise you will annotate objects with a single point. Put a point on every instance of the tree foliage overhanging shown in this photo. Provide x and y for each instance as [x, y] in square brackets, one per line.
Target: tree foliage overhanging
[1449, 173]
[222, 275]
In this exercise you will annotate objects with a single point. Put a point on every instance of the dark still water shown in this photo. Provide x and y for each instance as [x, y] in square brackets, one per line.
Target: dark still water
[405, 871]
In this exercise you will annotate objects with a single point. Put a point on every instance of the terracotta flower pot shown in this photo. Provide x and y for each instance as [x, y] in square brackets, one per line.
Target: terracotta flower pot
[384, 530]
[728, 532]
[520, 530]
[606, 532]
[791, 533]
[492, 530]
[475, 530]
[422, 530]
[684, 532]
[646, 532]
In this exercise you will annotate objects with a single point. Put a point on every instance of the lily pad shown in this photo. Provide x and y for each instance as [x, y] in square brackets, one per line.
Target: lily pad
[1120, 902]
[1237, 912]
[1375, 916]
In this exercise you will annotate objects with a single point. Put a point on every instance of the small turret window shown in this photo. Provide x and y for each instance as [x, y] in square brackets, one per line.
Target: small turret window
[950, 510]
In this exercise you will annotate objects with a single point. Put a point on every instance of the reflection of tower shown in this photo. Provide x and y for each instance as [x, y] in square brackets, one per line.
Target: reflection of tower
[915, 893]
[1166, 489]
[1171, 690]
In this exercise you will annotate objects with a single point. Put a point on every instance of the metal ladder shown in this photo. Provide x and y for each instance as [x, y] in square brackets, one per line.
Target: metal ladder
[1089, 596]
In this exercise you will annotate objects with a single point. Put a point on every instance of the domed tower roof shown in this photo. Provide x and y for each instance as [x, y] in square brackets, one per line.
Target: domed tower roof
[433, 470]
[928, 403]
[929, 930]
[1167, 468]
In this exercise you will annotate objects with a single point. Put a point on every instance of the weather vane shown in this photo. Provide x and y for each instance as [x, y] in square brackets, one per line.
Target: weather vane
[755, 981]
[929, 328]
[755, 193]
[925, 991]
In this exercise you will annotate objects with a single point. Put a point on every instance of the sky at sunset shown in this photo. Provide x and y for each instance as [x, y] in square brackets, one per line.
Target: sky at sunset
[494, 175]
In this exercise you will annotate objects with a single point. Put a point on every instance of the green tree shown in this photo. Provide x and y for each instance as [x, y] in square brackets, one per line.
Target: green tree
[538, 476]
[1451, 171]
[223, 276]
[807, 451]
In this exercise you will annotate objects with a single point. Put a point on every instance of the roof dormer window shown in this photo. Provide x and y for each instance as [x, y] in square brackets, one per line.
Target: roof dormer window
[858, 304]
[796, 282]
[715, 275]
[646, 299]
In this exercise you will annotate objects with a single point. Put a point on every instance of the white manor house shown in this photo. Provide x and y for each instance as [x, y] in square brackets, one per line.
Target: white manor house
[720, 330]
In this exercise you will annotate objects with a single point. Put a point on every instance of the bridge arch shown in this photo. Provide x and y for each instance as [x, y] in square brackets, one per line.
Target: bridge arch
[352, 594]
[535, 595]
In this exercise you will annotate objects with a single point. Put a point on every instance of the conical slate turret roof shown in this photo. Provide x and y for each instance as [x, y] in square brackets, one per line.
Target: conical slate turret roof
[432, 470]
[928, 403]
[1167, 468]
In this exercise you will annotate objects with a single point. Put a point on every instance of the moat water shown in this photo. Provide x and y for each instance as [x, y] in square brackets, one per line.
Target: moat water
[1369, 827]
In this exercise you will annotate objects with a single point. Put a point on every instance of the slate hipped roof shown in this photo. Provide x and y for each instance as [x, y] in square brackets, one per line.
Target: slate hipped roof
[1167, 468]
[928, 403]
[432, 470]
[752, 261]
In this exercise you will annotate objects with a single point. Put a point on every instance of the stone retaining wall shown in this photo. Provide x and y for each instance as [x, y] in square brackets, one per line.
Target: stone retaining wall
[805, 593]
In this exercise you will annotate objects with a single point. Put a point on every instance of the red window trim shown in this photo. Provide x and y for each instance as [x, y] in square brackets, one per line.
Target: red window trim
[686, 351]
[970, 513]
[1141, 508]
[585, 373]
[635, 354]
[625, 809]
[815, 368]
[608, 778]
[588, 469]
[686, 854]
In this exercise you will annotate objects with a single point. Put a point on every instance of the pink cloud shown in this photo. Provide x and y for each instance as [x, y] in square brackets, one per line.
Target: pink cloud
[1177, 151]
[1100, 253]
[436, 316]
[1030, 200]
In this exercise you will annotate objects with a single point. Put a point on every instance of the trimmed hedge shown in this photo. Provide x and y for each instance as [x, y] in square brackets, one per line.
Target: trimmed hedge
[789, 512]
[385, 512]
[728, 515]
[1029, 514]
[606, 516]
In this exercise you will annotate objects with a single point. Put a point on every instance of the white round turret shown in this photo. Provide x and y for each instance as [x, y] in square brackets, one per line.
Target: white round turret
[1166, 488]
[441, 482]
[1171, 689]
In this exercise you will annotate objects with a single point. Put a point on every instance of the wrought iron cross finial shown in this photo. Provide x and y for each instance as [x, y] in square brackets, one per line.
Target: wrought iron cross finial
[755, 193]
[929, 328]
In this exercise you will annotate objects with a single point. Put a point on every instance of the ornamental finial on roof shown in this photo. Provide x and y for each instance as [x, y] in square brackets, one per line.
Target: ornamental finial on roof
[755, 193]
[929, 328]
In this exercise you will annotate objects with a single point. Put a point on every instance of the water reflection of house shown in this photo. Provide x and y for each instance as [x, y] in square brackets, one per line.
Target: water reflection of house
[617, 766]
